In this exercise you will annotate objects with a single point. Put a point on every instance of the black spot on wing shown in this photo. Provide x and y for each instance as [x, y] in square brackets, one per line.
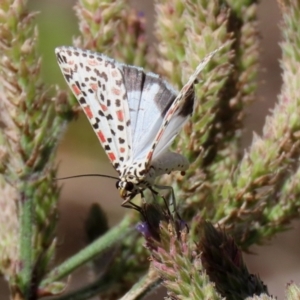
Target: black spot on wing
[187, 106]
[68, 77]
[165, 95]
[82, 100]
[136, 79]
[61, 58]
[133, 77]
[164, 99]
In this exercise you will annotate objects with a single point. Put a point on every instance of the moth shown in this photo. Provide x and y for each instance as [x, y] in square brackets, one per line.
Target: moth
[135, 114]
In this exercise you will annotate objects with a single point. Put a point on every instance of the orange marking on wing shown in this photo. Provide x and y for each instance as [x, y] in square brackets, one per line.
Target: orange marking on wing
[111, 156]
[114, 73]
[122, 150]
[101, 136]
[94, 86]
[66, 70]
[88, 111]
[185, 88]
[76, 90]
[149, 156]
[116, 91]
[92, 62]
[103, 107]
[159, 135]
[120, 115]
[71, 62]
[170, 112]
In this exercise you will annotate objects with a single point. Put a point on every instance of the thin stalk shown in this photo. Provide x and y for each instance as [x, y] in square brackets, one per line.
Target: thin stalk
[88, 291]
[144, 286]
[88, 253]
[26, 216]
[141, 289]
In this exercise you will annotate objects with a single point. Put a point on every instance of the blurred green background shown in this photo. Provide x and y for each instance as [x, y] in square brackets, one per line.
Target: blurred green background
[80, 153]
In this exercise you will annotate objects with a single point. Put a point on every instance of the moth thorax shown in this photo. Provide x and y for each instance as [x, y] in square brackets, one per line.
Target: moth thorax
[135, 174]
[129, 178]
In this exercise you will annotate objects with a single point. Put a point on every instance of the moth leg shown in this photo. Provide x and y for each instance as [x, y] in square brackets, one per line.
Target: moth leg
[143, 197]
[171, 191]
[178, 222]
[153, 192]
[131, 205]
[167, 205]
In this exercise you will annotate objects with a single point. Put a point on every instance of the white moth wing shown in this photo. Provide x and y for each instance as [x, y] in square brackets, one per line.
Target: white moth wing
[136, 115]
[97, 83]
[149, 98]
[178, 113]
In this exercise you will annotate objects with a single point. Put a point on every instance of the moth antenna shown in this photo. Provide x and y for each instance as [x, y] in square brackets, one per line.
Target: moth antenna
[87, 175]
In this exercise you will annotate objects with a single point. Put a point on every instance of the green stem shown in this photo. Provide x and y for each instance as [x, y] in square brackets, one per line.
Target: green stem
[144, 286]
[26, 216]
[87, 292]
[89, 252]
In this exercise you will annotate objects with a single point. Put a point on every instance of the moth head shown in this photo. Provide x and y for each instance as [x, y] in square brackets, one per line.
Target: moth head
[127, 189]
